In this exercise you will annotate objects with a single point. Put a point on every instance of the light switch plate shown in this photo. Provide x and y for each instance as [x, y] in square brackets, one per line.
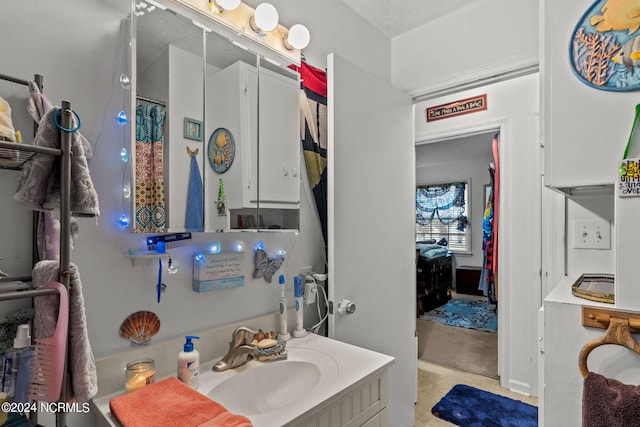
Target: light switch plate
[591, 234]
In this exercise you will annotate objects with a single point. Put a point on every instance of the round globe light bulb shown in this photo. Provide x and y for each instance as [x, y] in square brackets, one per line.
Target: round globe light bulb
[228, 4]
[266, 16]
[125, 82]
[299, 36]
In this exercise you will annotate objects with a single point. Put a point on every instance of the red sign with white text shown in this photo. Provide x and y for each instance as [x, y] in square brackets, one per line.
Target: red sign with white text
[457, 108]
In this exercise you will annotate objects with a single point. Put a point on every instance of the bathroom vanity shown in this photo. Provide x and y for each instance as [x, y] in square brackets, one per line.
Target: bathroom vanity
[322, 382]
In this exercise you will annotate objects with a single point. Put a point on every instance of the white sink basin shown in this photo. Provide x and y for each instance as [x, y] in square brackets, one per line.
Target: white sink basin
[268, 387]
[265, 387]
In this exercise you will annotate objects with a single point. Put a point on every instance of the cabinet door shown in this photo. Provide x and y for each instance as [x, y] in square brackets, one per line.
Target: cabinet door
[279, 139]
[232, 106]
[371, 227]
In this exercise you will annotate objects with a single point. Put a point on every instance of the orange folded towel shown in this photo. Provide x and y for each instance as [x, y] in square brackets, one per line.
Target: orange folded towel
[170, 402]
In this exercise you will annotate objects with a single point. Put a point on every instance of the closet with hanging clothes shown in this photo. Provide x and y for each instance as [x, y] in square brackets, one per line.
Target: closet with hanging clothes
[50, 169]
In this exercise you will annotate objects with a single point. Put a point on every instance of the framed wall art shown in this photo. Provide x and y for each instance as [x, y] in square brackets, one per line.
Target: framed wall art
[192, 129]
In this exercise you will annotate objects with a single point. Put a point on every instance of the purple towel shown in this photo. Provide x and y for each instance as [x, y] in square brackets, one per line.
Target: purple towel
[609, 403]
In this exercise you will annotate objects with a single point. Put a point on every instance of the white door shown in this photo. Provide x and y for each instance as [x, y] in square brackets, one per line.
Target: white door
[371, 223]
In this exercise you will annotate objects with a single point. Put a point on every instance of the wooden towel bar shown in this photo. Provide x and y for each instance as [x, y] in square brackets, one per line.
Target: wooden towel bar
[619, 326]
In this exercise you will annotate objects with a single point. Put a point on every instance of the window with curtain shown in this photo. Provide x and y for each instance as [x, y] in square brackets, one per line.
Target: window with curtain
[441, 212]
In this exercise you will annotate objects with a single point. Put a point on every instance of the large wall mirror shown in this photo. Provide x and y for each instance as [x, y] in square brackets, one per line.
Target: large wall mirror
[216, 144]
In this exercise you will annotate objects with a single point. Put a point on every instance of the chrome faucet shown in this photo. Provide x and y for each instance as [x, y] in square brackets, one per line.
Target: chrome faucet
[240, 350]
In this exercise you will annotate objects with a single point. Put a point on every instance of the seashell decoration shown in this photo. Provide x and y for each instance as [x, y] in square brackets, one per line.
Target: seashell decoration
[139, 327]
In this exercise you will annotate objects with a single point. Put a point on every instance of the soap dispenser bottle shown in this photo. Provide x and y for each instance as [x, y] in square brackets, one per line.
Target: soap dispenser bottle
[16, 374]
[189, 364]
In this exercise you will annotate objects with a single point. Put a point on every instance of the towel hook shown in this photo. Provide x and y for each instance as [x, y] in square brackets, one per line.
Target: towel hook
[617, 333]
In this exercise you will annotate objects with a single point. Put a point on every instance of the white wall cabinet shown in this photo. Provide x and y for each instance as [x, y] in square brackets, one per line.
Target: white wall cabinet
[363, 404]
[267, 147]
[584, 129]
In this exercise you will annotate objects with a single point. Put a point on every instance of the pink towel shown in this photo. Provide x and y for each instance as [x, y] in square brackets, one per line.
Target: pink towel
[82, 374]
[170, 403]
[609, 403]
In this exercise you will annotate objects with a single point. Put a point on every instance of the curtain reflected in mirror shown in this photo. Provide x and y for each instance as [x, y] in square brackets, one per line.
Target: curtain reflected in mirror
[149, 202]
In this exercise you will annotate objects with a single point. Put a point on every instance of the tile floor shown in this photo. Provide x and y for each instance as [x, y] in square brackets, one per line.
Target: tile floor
[434, 381]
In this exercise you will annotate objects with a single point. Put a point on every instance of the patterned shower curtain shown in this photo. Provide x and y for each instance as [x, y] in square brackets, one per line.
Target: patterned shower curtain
[314, 141]
[150, 194]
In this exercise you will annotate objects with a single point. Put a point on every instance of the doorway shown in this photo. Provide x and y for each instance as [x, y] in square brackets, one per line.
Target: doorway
[459, 331]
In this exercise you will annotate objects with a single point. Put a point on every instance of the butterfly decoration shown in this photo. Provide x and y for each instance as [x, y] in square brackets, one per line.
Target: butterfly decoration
[266, 266]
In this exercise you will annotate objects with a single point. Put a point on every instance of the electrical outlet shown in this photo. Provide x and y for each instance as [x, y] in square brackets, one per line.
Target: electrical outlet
[591, 234]
[310, 292]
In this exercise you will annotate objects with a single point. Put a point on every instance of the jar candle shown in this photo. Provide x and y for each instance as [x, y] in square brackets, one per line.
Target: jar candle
[139, 373]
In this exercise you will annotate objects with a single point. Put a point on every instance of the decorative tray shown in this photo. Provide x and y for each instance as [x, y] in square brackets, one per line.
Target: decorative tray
[595, 287]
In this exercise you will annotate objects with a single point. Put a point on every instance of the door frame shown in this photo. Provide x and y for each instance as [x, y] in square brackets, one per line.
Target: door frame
[500, 126]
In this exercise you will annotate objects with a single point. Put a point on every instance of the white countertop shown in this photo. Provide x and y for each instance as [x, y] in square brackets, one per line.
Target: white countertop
[352, 365]
[562, 294]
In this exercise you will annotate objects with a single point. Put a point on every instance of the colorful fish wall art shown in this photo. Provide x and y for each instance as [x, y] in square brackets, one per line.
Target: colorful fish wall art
[605, 46]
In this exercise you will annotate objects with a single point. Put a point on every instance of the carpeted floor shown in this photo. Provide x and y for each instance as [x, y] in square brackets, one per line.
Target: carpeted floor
[460, 348]
[465, 313]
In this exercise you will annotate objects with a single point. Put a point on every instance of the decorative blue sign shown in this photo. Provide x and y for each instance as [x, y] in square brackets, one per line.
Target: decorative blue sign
[218, 271]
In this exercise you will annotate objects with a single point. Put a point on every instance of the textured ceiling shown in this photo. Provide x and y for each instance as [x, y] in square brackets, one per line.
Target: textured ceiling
[394, 17]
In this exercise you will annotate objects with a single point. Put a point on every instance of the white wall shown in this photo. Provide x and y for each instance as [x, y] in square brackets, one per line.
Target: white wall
[185, 100]
[336, 28]
[468, 45]
[460, 167]
[513, 107]
[581, 261]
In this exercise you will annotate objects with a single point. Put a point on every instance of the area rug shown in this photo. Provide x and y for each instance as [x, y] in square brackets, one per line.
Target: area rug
[465, 313]
[467, 406]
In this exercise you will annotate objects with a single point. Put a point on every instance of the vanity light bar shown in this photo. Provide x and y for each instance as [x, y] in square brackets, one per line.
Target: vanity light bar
[236, 21]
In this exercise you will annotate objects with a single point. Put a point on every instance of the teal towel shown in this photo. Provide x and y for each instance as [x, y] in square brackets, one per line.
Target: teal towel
[194, 218]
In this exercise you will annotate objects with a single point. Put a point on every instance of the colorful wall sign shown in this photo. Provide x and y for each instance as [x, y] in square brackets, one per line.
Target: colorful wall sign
[457, 108]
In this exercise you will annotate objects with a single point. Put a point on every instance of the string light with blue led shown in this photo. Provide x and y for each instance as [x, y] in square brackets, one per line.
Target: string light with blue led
[122, 120]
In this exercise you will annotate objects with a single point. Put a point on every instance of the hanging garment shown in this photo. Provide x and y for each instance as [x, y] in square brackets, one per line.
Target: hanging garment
[82, 373]
[39, 104]
[48, 231]
[149, 208]
[496, 213]
[7, 133]
[313, 105]
[39, 185]
[194, 217]
[607, 402]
